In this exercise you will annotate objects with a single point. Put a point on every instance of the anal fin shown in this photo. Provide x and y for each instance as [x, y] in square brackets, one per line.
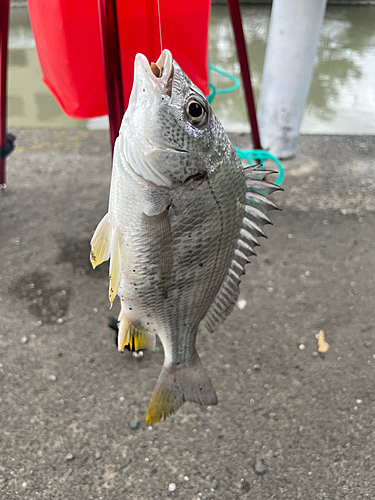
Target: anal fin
[100, 242]
[136, 338]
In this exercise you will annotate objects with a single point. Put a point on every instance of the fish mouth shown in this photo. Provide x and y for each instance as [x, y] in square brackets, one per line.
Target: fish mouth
[160, 73]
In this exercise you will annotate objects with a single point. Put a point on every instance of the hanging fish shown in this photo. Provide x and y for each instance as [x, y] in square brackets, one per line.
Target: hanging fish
[183, 220]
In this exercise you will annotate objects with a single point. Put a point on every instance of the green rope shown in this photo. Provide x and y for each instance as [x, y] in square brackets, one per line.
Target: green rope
[249, 154]
[261, 155]
[214, 90]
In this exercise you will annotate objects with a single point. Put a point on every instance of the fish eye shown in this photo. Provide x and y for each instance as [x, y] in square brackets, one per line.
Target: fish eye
[196, 112]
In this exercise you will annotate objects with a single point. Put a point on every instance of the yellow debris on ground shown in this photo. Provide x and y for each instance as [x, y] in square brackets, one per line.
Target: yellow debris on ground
[323, 346]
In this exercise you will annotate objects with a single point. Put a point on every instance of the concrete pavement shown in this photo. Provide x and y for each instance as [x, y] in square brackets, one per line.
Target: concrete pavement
[67, 397]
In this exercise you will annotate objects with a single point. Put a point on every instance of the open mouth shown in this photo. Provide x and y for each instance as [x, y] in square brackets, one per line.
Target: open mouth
[157, 70]
[160, 72]
[163, 66]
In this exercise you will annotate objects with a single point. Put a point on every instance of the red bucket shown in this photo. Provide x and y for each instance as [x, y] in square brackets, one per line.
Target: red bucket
[68, 45]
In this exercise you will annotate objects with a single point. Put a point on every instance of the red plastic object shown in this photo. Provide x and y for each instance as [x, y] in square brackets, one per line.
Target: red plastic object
[68, 44]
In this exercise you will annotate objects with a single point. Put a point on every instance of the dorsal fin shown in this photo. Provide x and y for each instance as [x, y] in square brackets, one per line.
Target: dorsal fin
[257, 204]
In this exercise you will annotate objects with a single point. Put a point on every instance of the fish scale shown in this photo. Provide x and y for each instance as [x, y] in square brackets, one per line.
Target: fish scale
[182, 222]
[208, 276]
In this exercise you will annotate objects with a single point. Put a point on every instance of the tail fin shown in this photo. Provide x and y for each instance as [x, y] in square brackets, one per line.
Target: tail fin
[177, 385]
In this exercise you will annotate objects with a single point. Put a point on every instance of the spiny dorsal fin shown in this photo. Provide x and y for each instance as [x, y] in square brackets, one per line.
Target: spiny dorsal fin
[100, 250]
[245, 247]
[136, 338]
[257, 173]
[246, 236]
[253, 227]
[262, 187]
[257, 204]
[257, 200]
[257, 215]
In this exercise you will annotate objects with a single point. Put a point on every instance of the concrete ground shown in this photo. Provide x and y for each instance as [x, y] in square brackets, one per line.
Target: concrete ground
[68, 398]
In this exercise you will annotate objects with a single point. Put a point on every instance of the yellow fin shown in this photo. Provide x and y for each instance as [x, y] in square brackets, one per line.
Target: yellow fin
[135, 338]
[115, 266]
[177, 384]
[100, 242]
[161, 404]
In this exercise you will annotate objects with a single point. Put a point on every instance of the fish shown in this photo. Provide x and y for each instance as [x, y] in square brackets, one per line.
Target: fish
[183, 219]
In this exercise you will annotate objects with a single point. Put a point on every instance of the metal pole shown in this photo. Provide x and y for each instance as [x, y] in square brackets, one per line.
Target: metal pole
[4, 25]
[291, 47]
[235, 14]
[109, 38]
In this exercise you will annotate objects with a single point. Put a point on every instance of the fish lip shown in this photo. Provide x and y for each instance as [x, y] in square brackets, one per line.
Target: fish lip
[164, 63]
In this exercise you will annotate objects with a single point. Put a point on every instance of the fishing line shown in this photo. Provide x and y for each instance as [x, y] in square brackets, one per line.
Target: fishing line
[161, 40]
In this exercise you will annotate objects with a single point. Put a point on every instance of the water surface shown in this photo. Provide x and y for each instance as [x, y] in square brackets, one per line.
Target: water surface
[341, 99]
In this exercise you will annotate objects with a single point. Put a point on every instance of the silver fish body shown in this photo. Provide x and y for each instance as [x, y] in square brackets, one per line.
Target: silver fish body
[180, 227]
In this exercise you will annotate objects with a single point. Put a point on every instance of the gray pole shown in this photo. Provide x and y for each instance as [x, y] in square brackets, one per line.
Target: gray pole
[291, 47]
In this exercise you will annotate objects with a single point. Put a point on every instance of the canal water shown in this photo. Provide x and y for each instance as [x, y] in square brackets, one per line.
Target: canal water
[342, 94]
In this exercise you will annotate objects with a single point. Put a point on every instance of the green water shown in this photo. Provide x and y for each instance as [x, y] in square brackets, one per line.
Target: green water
[341, 99]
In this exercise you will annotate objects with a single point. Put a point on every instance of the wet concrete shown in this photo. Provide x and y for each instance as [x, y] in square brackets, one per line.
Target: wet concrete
[289, 423]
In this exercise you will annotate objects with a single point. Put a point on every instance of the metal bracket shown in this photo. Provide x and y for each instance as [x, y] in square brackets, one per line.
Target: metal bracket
[8, 147]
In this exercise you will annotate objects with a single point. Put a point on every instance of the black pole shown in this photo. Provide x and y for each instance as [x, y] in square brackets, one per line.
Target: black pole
[109, 39]
[235, 14]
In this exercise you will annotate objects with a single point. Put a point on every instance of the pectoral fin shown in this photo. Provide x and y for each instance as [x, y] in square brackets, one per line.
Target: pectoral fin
[100, 242]
[158, 234]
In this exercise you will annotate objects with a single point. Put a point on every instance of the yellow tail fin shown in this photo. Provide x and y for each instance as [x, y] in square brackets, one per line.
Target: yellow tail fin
[177, 384]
